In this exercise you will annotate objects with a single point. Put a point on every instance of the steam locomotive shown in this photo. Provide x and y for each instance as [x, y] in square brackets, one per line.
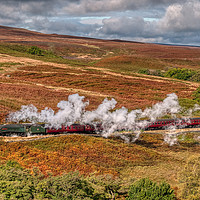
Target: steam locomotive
[33, 129]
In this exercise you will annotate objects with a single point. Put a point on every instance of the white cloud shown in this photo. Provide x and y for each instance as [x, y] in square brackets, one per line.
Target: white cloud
[182, 17]
[163, 21]
[101, 6]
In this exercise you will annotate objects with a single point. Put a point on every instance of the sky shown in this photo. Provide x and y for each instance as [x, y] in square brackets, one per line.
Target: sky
[153, 21]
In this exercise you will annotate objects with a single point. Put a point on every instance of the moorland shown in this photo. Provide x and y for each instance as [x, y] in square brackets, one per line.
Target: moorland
[43, 69]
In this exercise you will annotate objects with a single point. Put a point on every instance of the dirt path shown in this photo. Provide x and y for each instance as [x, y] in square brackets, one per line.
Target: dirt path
[31, 62]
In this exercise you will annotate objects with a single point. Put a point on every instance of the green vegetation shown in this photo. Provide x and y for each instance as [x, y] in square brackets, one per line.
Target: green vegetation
[146, 189]
[18, 183]
[177, 73]
[187, 104]
[180, 73]
[34, 50]
[196, 95]
[189, 178]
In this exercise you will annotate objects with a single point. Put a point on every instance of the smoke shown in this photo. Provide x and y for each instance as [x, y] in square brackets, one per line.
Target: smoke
[74, 110]
[171, 139]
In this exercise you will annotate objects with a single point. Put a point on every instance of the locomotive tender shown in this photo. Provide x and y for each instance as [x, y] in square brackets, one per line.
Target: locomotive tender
[34, 129]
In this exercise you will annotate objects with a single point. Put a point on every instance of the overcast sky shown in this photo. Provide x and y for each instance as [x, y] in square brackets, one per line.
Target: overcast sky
[159, 21]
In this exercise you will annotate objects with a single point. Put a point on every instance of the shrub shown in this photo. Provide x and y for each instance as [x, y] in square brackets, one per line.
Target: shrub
[18, 183]
[144, 71]
[180, 73]
[195, 77]
[189, 179]
[34, 50]
[107, 186]
[146, 189]
[196, 95]
[68, 186]
[15, 183]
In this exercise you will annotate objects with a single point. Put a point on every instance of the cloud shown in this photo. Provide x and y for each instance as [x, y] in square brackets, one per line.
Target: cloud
[163, 21]
[101, 6]
[182, 17]
[69, 27]
[179, 24]
[126, 27]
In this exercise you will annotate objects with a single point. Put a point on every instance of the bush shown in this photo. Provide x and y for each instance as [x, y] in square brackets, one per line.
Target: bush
[68, 186]
[15, 183]
[146, 189]
[144, 71]
[18, 183]
[180, 73]
[196, 95]
[107, 186]
[195, 77]
[189, 179]
[34, 50]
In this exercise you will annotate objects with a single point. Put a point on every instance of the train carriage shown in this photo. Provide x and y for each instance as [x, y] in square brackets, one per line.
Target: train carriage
[89, 128]
[178, 123]
[74, 128]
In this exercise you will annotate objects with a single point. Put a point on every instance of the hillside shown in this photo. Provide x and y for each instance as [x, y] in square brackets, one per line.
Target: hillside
[91, 67]
[44, 69]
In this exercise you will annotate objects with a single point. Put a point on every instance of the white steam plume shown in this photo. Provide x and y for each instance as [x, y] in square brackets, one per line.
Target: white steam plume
[73, 111]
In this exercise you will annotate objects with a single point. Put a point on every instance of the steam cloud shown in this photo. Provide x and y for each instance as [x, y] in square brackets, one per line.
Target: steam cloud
[73, 111]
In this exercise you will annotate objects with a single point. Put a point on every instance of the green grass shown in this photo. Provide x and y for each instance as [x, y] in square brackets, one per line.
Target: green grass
[8, 64]
[19, 50]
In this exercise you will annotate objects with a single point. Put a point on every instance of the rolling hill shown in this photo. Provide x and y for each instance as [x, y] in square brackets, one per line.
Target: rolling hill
[91, 67]
[43, 69]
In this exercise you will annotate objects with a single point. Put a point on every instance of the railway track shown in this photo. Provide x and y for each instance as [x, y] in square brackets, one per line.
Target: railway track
[40, 137]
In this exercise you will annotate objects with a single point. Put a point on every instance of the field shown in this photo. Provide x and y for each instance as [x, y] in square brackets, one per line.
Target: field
[96, 69]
